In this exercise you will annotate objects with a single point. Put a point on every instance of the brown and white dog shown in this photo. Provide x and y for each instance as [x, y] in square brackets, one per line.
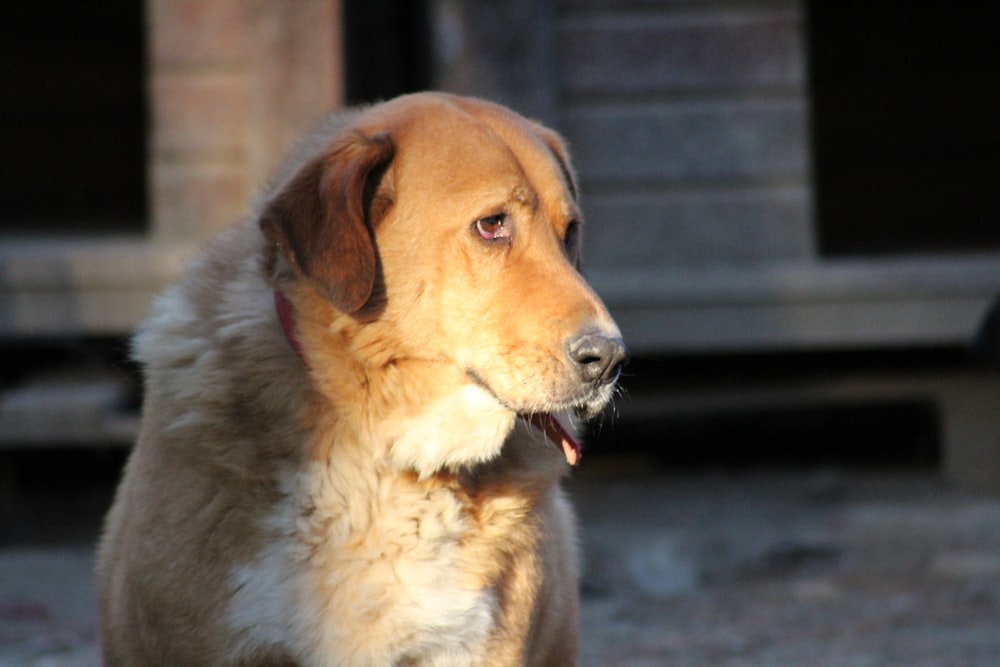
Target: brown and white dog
[344, 454]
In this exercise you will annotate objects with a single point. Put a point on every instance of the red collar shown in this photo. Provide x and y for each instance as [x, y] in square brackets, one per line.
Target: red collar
[286, 315]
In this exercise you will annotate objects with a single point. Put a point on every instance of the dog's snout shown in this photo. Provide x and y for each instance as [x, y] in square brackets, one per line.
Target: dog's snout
[599, 359]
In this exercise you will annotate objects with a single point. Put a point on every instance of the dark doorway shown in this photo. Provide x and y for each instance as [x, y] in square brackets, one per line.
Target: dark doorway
[74, 105]
[906, 125]
[387, 49]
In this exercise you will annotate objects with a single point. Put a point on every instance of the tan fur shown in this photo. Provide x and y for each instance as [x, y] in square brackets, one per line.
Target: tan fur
[380, 501]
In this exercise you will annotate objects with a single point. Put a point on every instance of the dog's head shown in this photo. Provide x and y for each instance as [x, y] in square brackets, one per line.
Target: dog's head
[451, 226]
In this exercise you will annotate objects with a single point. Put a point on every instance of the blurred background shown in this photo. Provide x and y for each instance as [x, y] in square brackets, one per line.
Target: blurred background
[791, 210]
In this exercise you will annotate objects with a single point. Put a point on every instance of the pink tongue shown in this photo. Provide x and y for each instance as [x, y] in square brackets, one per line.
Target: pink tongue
[557, 434]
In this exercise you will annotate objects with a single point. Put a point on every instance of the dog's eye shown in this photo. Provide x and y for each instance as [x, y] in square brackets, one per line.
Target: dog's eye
[493, 227]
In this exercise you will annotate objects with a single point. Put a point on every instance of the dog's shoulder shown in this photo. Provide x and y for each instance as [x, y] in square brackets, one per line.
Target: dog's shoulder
[212, 352]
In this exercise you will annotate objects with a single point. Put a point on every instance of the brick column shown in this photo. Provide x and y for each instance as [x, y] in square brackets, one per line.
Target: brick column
[231, 83]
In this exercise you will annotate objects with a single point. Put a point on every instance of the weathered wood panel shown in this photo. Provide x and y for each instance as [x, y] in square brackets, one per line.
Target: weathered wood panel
[799, 305]
[678, 142]
[666, 53]
[571, 6]
[699, 228]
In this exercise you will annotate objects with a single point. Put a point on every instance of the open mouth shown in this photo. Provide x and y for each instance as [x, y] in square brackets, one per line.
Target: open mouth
[557, 434]
[549, 424]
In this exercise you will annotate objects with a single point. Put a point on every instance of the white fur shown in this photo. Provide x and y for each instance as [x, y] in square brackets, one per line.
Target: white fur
[397, 568]
[466, 428]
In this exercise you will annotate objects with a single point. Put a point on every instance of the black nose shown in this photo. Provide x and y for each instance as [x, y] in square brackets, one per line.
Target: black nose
[599, 359]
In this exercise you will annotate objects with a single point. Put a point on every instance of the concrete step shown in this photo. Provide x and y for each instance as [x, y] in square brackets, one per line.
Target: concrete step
[85, 407]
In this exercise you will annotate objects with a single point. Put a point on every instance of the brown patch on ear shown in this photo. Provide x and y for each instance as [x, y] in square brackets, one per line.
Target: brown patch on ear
[320, 218]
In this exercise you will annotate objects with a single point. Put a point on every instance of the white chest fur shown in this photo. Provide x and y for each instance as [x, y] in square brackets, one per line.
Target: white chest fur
[363, 569]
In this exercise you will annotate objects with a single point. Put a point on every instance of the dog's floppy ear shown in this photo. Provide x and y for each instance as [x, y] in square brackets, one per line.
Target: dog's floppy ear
[320, 218]
[557, 146]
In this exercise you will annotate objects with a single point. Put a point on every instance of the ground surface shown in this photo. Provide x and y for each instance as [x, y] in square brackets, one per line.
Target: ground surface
[777, 570]
[764, 569]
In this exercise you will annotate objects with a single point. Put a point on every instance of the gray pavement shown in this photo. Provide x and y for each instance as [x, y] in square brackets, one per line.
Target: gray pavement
[47, 614]
[765, 569]
[789, 570]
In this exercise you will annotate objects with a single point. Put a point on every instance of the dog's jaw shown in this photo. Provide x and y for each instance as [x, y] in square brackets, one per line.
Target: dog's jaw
[545, 420]
[427, 448]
